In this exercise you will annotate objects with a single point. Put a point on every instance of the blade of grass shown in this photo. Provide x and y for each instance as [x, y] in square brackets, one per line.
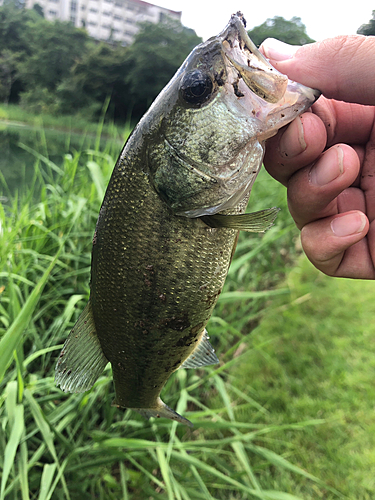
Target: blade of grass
[165, 472]
[46, 432]
[22, 467]
[12, 445]
[45, 482]
[268, 495]
[123, 481]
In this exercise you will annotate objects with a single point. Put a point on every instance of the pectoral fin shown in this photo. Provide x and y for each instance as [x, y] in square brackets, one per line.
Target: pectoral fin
[256, 222]
[81, 360]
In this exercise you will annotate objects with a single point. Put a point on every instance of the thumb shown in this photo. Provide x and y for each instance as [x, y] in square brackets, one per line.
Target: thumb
[342, 68]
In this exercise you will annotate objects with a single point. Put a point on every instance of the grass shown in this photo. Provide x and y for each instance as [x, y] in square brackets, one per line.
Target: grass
[67, 123]
[287, 415]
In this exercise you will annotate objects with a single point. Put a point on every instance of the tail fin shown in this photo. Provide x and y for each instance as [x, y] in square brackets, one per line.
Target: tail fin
[162, 411]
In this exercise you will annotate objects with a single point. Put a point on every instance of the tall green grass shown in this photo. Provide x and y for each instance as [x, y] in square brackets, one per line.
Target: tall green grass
[59, 446]
[68, 123]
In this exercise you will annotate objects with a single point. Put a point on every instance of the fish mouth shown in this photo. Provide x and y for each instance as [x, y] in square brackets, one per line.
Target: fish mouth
[251, 65]
[249, 69]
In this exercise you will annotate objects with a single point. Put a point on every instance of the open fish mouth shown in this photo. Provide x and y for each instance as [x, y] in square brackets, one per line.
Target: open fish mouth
[249, 64]
[257, 84]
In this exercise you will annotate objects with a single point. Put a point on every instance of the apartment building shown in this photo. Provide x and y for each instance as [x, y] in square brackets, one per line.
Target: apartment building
[115, 20]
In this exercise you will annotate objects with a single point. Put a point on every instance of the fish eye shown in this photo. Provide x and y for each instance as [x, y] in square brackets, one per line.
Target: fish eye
[196, 87]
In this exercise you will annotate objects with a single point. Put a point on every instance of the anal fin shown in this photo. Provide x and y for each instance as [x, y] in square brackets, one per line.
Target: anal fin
[81, 360]
[203, 354]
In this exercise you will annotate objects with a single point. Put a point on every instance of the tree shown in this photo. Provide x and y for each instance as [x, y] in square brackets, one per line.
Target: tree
[155, 55]
[54, 47]
[16, 27]
[369, 28]
[8, 73]
[99, 73]
[292, 32]
[132, 76]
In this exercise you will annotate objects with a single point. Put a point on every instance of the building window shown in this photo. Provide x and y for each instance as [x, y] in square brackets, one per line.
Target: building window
[118, 18]
[73, 6]
[129, 20]
[91, 23]
[93, 10]
[52, 13]
[73, 20]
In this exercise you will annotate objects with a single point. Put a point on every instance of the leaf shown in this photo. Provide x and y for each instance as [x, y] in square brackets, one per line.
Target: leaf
[45, 482]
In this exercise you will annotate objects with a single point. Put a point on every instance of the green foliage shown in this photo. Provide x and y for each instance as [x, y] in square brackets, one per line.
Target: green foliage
[16, 26]
[54, 48]
[99, 73]
[156, 54]
[56, 68]
[368, 29]
[315, 359]
[292, 32]
[8, 73]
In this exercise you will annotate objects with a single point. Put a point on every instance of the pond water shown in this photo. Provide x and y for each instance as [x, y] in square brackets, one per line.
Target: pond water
[17, 164]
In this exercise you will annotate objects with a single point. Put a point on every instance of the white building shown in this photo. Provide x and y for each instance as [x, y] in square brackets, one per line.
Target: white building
[105, 19]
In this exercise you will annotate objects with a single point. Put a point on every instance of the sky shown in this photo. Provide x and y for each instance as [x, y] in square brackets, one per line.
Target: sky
[322, 18]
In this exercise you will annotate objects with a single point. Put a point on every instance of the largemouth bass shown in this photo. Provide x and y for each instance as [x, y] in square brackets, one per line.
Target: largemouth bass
[170, 219]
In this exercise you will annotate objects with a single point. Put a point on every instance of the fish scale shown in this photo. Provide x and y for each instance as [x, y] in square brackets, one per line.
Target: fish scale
[170, 219]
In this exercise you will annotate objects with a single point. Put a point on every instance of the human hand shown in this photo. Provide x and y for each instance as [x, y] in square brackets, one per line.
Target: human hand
[326, 157]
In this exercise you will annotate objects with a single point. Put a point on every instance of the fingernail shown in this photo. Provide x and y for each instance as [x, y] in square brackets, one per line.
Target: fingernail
[329, 167]
[292, 142]
[346, 225]
[278, 51]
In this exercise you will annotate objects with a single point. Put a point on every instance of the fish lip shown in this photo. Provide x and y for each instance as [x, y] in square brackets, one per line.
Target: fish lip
[237, 25]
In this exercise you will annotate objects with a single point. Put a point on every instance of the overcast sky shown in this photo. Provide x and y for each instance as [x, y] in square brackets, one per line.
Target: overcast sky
[322, 18]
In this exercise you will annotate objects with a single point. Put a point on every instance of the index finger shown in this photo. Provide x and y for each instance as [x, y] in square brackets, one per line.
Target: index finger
[341, 68]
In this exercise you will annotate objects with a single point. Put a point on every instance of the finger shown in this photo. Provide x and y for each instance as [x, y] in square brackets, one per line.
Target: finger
[345, 122]
[313, 192]
[337, 245]
[295, 146]
[339, 67]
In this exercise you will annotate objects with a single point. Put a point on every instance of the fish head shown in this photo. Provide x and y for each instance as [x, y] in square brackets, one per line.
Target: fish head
[212, 120]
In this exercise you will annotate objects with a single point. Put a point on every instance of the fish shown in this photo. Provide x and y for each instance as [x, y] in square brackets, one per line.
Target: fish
[169, 222]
